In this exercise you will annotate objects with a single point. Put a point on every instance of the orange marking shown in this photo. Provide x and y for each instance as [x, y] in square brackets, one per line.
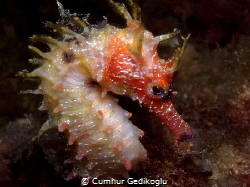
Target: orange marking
[140, 133]
[128, 114]
[57, 86]
[133, 24]
[107, 130]
[78, 42]
[72, 138]
[127, 163]
[119, 145]
[100, 114]
[63, 126]
[57, 109]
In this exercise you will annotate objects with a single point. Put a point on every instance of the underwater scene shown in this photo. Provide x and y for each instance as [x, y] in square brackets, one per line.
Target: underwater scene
[125, 92]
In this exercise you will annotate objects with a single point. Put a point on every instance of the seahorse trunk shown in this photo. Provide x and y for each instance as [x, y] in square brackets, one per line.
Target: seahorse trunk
[105, 139]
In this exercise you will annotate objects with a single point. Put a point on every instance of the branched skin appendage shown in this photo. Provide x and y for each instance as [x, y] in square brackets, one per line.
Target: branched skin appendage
[80, 70]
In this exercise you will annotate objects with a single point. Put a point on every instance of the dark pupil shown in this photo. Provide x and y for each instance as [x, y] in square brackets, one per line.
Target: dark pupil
[157, 91]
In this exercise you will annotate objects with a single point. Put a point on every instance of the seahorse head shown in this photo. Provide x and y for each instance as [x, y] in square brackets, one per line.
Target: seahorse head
[134, 68]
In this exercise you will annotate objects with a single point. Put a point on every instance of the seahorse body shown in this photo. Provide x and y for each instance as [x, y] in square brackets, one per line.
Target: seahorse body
[78, 72]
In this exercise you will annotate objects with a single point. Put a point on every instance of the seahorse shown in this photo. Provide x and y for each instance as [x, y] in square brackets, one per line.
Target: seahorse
[83, 65]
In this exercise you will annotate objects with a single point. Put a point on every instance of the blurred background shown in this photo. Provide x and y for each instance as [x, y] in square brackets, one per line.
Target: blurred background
[212, 81]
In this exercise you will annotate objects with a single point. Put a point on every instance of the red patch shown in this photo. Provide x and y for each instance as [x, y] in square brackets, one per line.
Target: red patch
[63, 126]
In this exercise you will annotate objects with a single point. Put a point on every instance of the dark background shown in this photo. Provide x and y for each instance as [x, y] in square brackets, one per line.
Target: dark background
[212, 81]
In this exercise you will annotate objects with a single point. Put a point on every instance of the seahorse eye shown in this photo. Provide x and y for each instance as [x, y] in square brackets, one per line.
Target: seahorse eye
[160, 92]
[156, 90]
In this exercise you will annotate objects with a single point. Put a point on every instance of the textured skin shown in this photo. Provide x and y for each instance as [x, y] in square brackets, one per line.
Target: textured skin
[107, 142]
[135, 75]
[76, 76]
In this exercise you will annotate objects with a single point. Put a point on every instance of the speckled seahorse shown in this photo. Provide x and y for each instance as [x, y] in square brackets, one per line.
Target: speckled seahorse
[79, 71]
